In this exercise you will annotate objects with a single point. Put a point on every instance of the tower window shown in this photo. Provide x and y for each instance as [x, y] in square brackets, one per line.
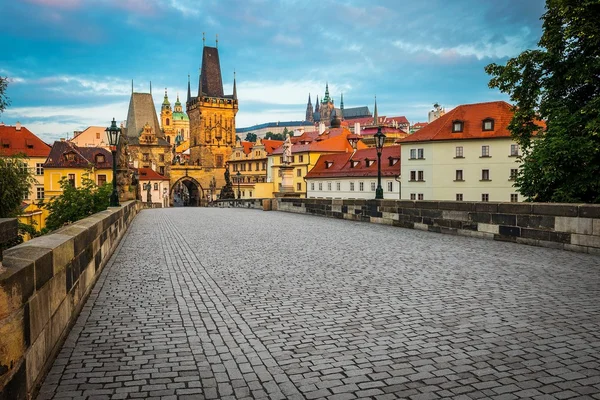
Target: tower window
[167, 123]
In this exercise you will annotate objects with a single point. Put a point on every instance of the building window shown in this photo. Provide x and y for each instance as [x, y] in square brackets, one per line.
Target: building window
[250, 194]
[300, 158]
[420, 196]
[235, 167]
[219, 160]
[352, 186]
[514, 198]
[99, 158]
[264, 165]
[485, 174]
[298, 172]
[488, 124]
[312, 186]
[280, 160]
[514, 150]
[413, 175]
[249, 166]
[485, 197]
[156, 186]
[457, 126]
[485, 151]
[237, 154]
[420, 154]
[101, 180]
[373, 186]
[257, 166]
[413, 154]
[361, 186]
[338, 186]
[242, 167]
[459, 197]
[26, 196]
[459, 175]
[320, 185]
[39, 168]
[145, 157]
[40, 193]
[329, 186]
[97, 135]
[513, 174]
[390, 186]
[299, 186]
[161, 157]
[413, 196]
[168, 121]
[420, 176]
[72, 180]
[293, 157]
[459, 152]
[161, 170]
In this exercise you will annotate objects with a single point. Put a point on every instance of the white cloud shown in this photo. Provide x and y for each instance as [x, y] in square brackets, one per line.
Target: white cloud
[287, 40]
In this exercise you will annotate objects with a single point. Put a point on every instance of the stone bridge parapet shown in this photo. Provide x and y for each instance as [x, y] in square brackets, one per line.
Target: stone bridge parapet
[574, 227]
[43, 286]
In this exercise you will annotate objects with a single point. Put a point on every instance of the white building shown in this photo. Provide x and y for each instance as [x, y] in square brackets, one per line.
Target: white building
[354, 175]
[155, 184]
[466, 154]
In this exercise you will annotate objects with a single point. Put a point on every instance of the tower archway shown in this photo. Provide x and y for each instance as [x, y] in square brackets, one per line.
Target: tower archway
[186, 192]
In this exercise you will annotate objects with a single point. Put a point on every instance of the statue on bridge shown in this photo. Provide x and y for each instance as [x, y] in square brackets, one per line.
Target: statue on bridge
[148, 193]
[227, 190]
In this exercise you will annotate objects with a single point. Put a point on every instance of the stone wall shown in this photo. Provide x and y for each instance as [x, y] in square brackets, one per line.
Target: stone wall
[574, 227]
[238, 203]
[43, 286]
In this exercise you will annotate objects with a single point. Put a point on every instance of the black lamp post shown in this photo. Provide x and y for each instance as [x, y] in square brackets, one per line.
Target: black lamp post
[238, 179]
[113, 132]
[379, 140]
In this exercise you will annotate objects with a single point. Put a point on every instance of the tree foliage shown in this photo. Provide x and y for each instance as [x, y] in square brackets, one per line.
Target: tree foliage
[559, 83]
[274, 136]
[15, 184]
[251, 137]
[77, 203]
[4, 100]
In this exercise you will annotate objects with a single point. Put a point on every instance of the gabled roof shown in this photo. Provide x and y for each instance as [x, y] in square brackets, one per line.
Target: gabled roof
[212, 83]
[356, 112]
[332, 140]
[148, 174]
[271, 145]
[83, 157]
[142, 111]
[355, 165]
[472, 116]
[13, 141]
[420, 124]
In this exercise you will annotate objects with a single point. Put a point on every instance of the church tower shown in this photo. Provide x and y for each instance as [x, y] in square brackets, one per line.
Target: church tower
[212, 115]
[327, 106]
[166, 118]
[309, 111]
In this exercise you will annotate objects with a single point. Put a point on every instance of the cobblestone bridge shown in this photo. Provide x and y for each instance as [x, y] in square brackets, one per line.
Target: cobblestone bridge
[233, 303]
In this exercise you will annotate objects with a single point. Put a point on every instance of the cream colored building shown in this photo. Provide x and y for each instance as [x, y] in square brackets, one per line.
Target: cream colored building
[92, 136]
[465, 155]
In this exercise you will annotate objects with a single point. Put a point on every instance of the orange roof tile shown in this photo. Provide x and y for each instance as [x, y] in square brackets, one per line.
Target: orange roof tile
[148, 174]
[271, 145]
[13, 141]
[355, 165]
[332, 140]
[472, 116]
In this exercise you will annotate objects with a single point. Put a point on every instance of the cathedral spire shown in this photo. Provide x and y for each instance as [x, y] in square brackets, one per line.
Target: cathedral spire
[317, 104]
[309, 111]
[189, 89]
[166, 102]
[234, 88]
[342, 107]
[375, 115]
[326, 99]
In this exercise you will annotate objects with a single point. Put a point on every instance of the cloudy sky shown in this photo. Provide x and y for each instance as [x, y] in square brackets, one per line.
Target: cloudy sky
[71, 62]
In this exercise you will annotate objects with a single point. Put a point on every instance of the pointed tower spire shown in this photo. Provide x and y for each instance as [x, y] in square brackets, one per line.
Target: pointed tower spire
[375, 115]
[309, 111]
[317, 104]
[189, 89]
[234, 88]
[166, 102]
[342, 107]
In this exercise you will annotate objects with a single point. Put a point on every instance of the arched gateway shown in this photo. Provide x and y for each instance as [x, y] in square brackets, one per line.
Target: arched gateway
[186, 192]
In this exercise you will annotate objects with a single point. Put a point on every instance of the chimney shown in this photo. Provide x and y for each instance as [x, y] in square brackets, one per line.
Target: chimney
[321, 127]
[357, 128]
[18, 126]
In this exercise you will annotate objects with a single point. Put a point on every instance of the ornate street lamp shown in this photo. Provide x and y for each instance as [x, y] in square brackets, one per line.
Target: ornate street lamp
[238, 179]
[112, 133]
[379, 140]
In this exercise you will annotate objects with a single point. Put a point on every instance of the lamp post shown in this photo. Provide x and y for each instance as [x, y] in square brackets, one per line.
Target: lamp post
[238, 179]
[379, 140]
[113, 132]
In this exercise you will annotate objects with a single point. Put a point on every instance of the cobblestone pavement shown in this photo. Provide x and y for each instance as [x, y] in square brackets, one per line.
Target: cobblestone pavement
[232, 303]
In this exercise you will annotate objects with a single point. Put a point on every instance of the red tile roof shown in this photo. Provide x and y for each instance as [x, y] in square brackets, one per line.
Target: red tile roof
[332, 140]
[384, 129]
[420, 124]
[13, 141]
[148, 174]
[247, 147]
[83, 157]
[472, 115]
[271, 145]
[340, 165]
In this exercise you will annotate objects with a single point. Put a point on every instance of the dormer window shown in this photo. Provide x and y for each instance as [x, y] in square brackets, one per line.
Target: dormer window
[393, 161]
[488, 124]
[328, 164]
[368, 162]
[99, 158]
[70, 156]
[457, 126]
[353, 163]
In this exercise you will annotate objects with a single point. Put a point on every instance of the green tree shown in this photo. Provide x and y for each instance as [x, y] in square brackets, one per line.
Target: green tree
[251, 137]
[77, 203]
[558, 83]
[4, 100]
[15, 184]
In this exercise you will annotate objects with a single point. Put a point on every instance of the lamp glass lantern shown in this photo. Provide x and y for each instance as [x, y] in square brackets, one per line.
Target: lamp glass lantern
[112, 134]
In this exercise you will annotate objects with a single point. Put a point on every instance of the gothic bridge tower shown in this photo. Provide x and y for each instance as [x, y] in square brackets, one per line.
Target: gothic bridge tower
[212, 115]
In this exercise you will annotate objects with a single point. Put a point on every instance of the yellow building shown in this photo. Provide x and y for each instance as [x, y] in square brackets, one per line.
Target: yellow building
[175, 123]
[306, 150]
[73, 162]
[15, 140]
[250, 161]
[466, 154]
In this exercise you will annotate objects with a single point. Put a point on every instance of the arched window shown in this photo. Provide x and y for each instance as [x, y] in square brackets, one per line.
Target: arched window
[167, 122]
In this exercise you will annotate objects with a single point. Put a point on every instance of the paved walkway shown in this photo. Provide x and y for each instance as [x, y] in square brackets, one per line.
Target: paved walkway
[232, 303]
